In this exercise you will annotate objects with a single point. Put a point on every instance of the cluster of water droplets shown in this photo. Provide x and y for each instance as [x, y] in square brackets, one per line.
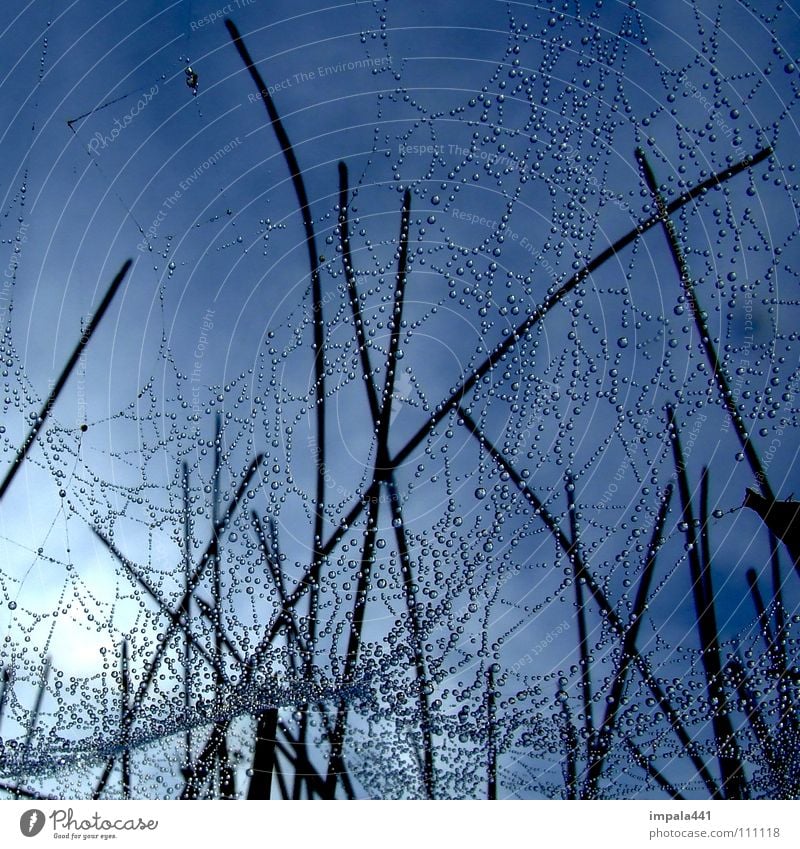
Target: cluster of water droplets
[515, 184]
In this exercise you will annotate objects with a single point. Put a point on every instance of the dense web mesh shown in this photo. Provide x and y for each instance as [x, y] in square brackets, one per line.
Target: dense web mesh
[510, 591]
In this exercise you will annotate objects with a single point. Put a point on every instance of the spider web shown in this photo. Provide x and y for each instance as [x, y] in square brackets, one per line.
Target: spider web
[517, 148]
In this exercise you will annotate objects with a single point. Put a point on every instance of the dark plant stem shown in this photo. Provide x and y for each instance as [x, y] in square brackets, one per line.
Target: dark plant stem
[314, 782]
[206, 609]
[617, 688]
[264, 750]
[336, 757]
[788, 701]
[33, 717]
[125, 687]
[5, 686]
[583, 633]
[223, 771]
[22, 792]
[754, 716]
[556, 296]
[312, 575]
[396, 506]
[733, 779]
[207, 558]
[571, 745]
[271, 556]
[106, 774]
[776, 651]
[283, 790]
[318, 325]
[203, 768]
[186, 614]
[778, 745]
[416, 637]
[178, 620]
[382, 469]
[394, 339]
[264, 755]
[352, 290]
[706, 341]
[491, 720]
[64, 376]
[174, 616]
[216, 584]
[600, 598]
[705, 542]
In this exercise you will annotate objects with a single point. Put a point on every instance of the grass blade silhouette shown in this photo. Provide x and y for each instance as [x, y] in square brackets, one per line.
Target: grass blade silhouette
[614, 699]
[491, 719]
[717, 370]
[601, 600]
[570, 739]
[317, 320]
[5, 684]
[260, 786]
[175, 615]
[125, 687]
[33, 717]
[733, 779]
[583, 634]
[64, 376]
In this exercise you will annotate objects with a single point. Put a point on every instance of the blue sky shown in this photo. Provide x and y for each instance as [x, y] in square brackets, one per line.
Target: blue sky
[514, 125]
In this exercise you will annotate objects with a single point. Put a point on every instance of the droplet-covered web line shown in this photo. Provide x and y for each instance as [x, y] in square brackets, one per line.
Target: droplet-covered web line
[534, 151]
